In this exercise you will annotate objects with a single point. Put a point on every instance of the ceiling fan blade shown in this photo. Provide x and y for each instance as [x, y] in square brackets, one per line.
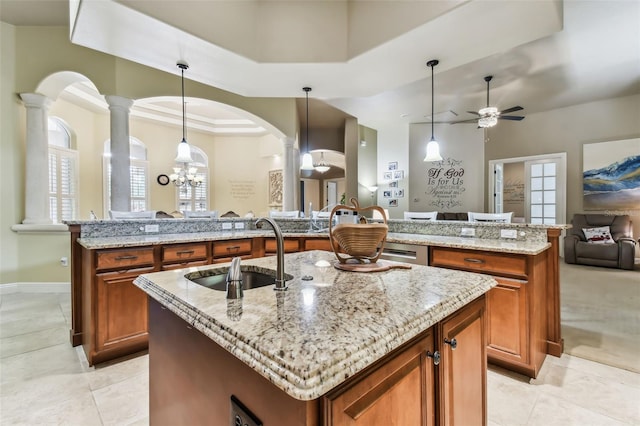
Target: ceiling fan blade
[512, 109]
[510, 117]
[473, 112]
[472, 120]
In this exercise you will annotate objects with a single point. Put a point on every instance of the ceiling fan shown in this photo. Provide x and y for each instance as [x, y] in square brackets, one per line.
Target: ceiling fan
[489, 116]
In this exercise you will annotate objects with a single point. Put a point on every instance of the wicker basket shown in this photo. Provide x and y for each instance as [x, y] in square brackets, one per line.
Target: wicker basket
[362, 242]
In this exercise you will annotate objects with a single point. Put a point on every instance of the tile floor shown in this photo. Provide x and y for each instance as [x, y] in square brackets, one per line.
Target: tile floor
[43, 380]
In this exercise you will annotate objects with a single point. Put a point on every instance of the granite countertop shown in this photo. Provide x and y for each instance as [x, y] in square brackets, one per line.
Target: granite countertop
[312, 337]
[486, 244]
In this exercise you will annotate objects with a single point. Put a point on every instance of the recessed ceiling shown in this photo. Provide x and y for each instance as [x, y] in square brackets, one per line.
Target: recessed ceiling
[543, 54]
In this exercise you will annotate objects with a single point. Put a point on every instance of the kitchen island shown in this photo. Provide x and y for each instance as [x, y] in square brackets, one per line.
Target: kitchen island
[341, 348]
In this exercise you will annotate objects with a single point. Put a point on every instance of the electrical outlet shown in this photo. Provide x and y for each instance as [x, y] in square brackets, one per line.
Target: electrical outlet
[241, 416]
[239, 225]
[468, 232]
[151, 228]
[509, 233]
[227, 225]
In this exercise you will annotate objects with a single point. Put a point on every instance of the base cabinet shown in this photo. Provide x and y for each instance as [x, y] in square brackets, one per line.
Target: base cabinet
[507, 332]
[463, 367]
[114, 309]
[516, 308]
[122, 312]
[425, 382]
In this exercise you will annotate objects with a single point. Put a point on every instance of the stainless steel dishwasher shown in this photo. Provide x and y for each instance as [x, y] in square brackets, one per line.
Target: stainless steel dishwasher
[407, 253]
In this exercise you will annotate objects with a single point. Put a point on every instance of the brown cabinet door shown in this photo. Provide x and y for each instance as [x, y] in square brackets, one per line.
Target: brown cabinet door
[121, 311]
[400, 392]
[463, 370]
[317, 244]
[291, 245]
[507, 321]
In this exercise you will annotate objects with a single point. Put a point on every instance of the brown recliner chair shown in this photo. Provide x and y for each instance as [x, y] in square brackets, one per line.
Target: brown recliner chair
[621, 254]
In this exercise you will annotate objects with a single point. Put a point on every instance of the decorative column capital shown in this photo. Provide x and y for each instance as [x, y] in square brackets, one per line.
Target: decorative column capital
[35, 100]
[118, 102]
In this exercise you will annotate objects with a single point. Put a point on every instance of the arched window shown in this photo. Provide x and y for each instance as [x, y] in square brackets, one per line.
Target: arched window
[139, 174]
[188, 197]
[63, 172]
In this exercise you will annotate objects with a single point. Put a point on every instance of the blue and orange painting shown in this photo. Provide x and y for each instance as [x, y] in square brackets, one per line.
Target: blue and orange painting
[615, 185]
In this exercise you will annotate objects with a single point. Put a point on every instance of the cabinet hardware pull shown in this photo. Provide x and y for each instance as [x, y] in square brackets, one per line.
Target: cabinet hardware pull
[472, 260]
[185, 252]
[129, 257]
[436, 357]
[453, 342]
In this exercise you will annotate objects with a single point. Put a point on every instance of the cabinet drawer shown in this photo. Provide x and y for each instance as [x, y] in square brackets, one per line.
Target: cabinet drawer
[483, 262]
[184, 252]
[232, 248]
[124, 258]
[291, 245]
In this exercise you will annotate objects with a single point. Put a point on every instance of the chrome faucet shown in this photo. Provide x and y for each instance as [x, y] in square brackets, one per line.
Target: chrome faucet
[281, 284]
[234, 280]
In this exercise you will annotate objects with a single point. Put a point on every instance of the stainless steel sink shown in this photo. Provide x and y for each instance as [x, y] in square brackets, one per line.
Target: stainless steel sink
[216, 279]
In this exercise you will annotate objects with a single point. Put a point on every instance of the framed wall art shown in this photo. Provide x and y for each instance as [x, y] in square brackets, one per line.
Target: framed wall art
[611, 175]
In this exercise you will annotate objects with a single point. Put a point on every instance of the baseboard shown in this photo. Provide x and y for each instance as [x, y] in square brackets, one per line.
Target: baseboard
[35, 287]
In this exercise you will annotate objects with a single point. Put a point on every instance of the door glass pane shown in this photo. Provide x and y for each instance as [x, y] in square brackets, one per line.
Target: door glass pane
[549, 197]
[549, 220]
[550, 210]
[536, 220]
[549, 183]
[550, 169]
[536, 170]
[536, 184]
[536, 197]
[536, 211]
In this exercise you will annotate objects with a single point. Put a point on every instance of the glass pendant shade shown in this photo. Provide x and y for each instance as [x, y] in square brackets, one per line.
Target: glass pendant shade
[433, 151]
[307, 162]
[184, 153]
[322, 166]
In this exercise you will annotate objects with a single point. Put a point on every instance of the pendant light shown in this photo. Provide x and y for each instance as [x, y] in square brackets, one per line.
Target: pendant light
[322, 166]
[433, 149]
[184, 152]
[307, 160]
[184, 175]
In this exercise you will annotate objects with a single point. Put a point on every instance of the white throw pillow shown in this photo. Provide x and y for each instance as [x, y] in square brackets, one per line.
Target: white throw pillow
[601, 235]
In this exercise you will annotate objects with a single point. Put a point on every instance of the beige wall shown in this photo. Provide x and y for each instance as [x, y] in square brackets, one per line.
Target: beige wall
[367, 166]
[11, 192]
[566, 130]
[453, 185]
[29, 56]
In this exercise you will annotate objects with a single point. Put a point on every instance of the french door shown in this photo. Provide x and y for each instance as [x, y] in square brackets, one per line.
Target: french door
[544, 187]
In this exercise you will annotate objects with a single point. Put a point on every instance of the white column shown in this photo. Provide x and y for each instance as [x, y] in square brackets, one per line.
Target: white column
[288, 176]
[120, 162]
[37, 159]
